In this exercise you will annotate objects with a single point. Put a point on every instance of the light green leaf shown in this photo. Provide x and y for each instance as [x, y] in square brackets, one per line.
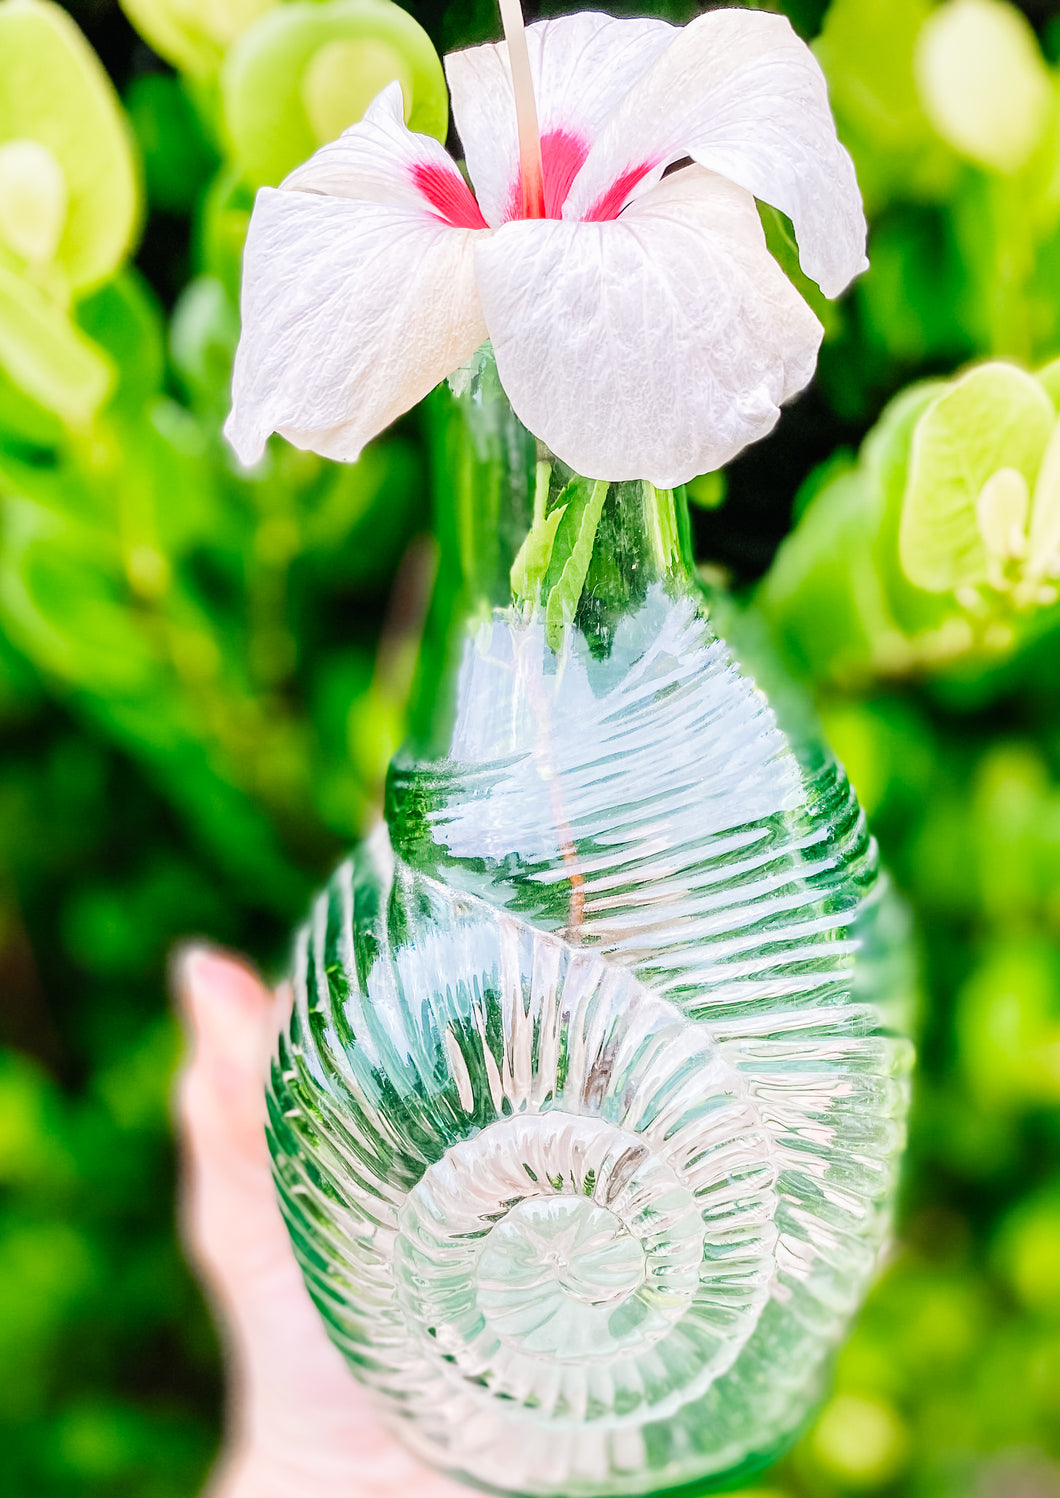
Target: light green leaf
[1001, 510]
[1049, 379]
[531, 564]
[193, 34]
[866, 50]
[307, 70]
[1006, 1019]
[203, 335]
[995, 417]
[885, 460]
[983, 81]
[572, 551]
[782, 245]
[1044, 547]
[33, 204]
[60, 602]
[708, 490]
[53, 90]
[25, 419]
[47, 357]
[224, 217]
[343, 78]
[126, 321]
[823, 594]
[533, 557]
[885, 452]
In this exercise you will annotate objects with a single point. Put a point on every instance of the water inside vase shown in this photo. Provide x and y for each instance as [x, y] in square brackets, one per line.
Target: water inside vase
[587, 1120]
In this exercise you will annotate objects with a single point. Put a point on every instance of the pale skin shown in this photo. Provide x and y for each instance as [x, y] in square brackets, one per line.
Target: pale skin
[298, 1424]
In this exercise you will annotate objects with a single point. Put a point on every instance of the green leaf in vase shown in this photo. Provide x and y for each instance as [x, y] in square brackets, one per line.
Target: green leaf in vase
[307, 70]
[533, 557]
[582, 502]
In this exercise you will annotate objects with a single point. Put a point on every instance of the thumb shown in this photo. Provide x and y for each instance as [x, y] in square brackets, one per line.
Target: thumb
[231, 1225]
[299, 1424]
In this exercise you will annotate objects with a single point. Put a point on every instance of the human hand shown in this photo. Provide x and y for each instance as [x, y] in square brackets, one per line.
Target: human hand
[299, 1426]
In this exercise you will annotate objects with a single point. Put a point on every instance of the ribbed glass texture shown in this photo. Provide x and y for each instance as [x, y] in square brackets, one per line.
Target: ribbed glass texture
[587, 1118]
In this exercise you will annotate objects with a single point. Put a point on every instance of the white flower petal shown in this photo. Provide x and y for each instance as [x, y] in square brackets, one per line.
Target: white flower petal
[653, 346]
[741, 94]
[582, 66]
[352, 312]
[380, 160]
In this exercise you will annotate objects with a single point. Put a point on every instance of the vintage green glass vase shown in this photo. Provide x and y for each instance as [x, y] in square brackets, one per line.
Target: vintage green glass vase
[587, 1118]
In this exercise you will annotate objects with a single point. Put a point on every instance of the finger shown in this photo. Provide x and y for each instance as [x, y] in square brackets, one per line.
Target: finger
[298, 1422]
[230, 1221]
[287, 1376]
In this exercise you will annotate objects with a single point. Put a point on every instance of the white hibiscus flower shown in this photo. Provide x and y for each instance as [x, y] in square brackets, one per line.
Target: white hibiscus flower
[641, 327]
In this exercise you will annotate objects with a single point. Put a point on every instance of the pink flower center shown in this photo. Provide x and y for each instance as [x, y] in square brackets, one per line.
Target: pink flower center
[562, 155]
[449, 195]
[548, 162]
[611, 202]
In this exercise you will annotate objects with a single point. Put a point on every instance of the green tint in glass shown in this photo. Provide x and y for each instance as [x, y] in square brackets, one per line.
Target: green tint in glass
[587, 1118]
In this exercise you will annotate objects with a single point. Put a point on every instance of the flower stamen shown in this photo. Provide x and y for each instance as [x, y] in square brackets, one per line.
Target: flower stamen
[531, 170]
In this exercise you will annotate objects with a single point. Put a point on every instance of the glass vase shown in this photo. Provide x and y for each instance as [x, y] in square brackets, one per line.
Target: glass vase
[587, 1118]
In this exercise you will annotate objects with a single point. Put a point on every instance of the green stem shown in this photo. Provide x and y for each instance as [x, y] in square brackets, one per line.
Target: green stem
[662, 528]
[518, 531]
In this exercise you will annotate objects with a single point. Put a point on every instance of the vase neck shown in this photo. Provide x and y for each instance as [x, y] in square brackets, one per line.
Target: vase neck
[518, 531]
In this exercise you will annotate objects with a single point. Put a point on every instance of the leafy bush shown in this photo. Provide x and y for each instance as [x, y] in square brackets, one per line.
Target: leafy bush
[196, 723]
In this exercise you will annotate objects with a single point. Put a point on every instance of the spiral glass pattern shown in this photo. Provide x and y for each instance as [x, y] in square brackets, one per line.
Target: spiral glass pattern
[587, 1118]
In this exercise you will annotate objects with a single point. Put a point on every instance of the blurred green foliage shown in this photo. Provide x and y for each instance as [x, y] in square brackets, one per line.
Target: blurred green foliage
[196, 713]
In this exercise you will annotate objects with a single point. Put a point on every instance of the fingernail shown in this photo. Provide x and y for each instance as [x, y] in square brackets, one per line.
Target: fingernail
[222, 1000]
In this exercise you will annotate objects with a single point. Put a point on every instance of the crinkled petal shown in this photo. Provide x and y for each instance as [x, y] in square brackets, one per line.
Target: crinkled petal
[380, 160]
[740, 93]
[352, 312]
[653, 346]
[582, 66]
